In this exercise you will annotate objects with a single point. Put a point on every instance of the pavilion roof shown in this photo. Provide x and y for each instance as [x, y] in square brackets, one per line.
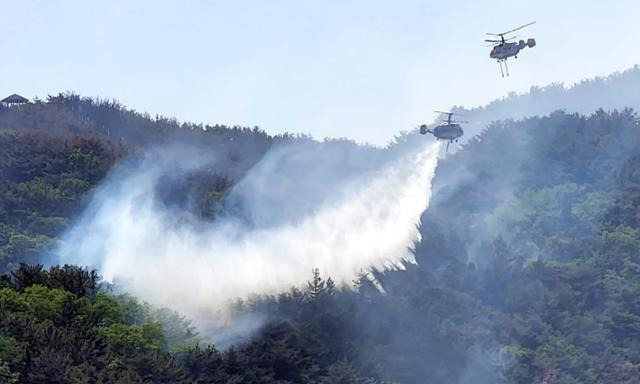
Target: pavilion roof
[14, 99]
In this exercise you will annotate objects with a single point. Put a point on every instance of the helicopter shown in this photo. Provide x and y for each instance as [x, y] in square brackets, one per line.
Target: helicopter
[450, 129]
[504, 49]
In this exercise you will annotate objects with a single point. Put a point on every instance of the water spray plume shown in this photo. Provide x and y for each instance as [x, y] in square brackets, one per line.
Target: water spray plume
[368, 220]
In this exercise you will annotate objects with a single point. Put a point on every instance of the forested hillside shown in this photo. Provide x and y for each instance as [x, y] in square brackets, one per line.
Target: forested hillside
[53, 152]
[528, 270]
[615, 91]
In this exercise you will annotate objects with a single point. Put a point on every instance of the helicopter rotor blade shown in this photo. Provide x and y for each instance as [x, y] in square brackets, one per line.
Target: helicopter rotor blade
[513, 30]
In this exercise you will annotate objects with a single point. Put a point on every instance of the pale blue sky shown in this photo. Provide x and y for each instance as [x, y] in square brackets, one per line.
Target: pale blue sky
[359, 69]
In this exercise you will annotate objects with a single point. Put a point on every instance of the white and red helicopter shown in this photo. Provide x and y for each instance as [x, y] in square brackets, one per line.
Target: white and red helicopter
[504, 49]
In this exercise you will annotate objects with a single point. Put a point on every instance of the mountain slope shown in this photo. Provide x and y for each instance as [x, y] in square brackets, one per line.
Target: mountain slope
[527, 271]
[616, 91]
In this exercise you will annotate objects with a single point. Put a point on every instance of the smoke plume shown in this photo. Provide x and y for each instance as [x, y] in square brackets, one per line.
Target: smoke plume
[302, 206]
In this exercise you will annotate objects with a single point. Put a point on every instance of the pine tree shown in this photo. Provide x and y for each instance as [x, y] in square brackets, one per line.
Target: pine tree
[316, 287]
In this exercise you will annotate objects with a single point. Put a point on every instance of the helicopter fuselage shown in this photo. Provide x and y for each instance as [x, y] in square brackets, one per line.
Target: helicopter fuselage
[503, 51]
[448, 132]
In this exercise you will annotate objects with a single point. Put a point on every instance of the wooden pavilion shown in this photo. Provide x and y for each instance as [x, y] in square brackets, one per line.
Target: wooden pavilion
[14, 99]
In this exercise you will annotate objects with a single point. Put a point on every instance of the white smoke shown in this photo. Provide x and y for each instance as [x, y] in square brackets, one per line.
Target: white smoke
[364, 214]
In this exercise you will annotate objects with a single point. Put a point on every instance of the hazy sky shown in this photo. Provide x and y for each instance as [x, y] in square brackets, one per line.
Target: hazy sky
[359, 69]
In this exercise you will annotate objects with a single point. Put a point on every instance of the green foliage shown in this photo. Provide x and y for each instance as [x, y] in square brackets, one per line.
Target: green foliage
[43, 303]
[546, 220]
[10, 351]
[56, 327]
[144, 337]
[44, 182]
[106, 308]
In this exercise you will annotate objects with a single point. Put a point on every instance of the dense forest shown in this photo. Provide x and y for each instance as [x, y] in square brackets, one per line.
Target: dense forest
[528, 270]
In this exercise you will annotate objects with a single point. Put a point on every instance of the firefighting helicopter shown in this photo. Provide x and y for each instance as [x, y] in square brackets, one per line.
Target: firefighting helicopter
[504, 49]
[449, 130]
